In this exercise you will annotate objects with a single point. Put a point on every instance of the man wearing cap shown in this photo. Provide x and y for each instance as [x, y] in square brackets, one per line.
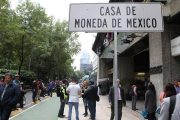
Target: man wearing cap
[63, 97]
[170, 107]
[17, 82]
[91, 94]
[74, 91]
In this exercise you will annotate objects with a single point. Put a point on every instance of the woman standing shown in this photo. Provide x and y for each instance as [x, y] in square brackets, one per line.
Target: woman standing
[150, 102]
[168, 92]
[84, 87]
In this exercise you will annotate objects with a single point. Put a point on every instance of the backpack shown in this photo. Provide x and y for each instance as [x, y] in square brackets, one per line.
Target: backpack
[131, 92]
[58, 92]
[172, 105]
[97, 96]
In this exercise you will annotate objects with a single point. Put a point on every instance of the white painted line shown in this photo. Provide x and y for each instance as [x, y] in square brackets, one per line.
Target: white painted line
[27, 109]
[27, 104]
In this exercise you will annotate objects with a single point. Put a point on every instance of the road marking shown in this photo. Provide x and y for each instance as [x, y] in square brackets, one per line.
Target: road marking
[27, 109]
[27, 104]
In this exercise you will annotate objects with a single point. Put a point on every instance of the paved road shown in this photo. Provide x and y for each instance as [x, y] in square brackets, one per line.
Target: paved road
[46, 110]
[28, 96]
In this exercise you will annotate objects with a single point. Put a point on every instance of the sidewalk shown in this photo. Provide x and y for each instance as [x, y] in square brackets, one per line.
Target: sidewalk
[103, 111]
[139, 105]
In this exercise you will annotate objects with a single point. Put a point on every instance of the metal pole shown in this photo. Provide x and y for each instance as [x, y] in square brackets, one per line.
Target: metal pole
[115, 77]
[98, 70]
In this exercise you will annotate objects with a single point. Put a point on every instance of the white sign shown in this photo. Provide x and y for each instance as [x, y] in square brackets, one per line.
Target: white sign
[119, 17]
[175, 46]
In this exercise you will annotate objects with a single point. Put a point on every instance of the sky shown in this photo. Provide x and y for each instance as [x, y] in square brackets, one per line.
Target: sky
[60, 10]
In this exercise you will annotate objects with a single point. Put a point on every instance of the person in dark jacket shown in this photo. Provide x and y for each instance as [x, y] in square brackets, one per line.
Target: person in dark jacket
[150, 102]
[17, 81]
[9, 96]
[34, 90]
[120, 99]
[91, 94]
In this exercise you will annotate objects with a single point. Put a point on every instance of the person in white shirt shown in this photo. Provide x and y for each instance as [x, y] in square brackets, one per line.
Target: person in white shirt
[74, 91]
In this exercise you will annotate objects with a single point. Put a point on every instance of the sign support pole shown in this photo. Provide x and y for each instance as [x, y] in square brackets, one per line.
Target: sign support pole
[115, 77]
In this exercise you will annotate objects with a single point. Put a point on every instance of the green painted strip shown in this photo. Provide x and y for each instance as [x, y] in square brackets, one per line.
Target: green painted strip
[47, 110]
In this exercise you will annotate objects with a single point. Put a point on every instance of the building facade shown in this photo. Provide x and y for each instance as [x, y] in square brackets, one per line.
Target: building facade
[147, 57]
[85, 62]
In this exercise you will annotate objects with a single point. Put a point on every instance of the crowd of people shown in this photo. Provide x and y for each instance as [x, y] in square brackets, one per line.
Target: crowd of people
[71, 90]
[168, 99]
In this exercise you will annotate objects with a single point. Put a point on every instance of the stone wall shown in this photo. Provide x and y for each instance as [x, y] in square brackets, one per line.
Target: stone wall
[103, 71]
[160, 54]
[125, 67]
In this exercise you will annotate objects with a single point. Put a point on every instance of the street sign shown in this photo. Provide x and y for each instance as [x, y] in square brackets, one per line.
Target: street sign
[175, 46]
[116, 17]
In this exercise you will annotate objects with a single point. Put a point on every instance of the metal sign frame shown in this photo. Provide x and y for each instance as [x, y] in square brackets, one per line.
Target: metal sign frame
[122, 3]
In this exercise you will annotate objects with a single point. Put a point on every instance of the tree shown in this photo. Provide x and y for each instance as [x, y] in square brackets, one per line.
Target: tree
[79, 74]
[64, 45]
[32, 19]
[28, 37]
[7, 29]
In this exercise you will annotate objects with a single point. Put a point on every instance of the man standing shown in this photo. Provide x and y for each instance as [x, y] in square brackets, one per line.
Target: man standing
[170, 107]
[42, 89]
[17, 82]
[91, 96]
[134, 98]
[100, 85]
[9, 96]
[39, 87]
[51, 86]
[34, 90]
[120, 99]
[73, 90]
[176, 86]
[63, 97]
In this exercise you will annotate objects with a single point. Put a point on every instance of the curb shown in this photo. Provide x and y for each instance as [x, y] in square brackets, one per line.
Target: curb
[28, 90]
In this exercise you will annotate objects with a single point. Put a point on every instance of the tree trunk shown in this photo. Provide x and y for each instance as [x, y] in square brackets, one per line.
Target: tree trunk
[44, 73]
[21, 55]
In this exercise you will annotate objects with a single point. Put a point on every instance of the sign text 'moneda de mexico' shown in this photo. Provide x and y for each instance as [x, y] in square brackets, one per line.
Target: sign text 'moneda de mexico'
[120, 17]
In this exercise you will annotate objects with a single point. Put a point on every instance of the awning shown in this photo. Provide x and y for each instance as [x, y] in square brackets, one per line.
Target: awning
[86, 77]
[103, 79]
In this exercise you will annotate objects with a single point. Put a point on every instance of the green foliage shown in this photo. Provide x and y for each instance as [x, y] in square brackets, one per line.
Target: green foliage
[27, 87]
[29, 39]
[78, 74]
[25, 74]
